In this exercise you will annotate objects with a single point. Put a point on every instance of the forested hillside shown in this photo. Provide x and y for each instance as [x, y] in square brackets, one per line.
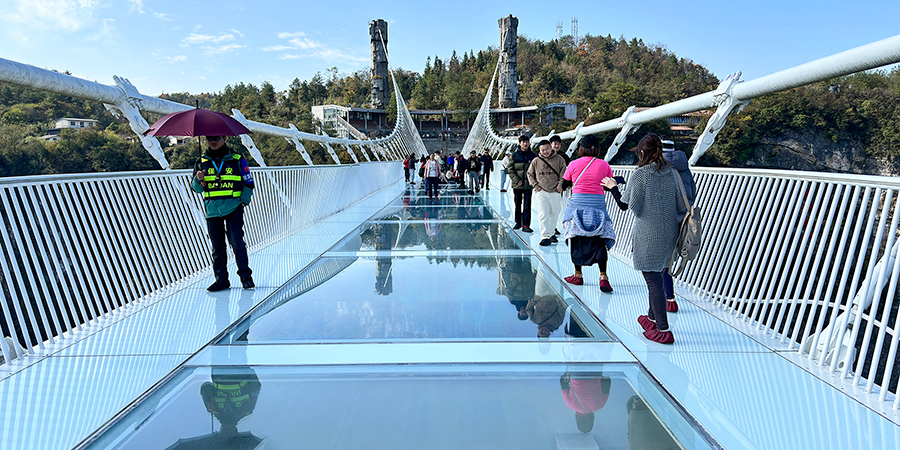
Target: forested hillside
[602, 75]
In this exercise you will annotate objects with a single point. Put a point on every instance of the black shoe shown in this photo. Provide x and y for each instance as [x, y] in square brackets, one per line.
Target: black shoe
[556, 232]
[553, 239]
[517, 227]
[502, 190]
[247, 282]
[219, 285]
[527, 229]
[545, 242]
[471, 192]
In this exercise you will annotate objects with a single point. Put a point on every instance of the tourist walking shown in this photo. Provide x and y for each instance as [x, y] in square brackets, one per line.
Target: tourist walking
[556, 144]
[503, 164]
[407, 163]
[487, 166]
[586, 223]
[473, 172]
[679, 162]
[517, 169]
[223, 177]
[546, 175]
[654, 197]
[432, 172]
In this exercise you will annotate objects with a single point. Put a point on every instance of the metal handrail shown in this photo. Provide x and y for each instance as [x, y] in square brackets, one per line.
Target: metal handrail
[808, 259]
[77, 249]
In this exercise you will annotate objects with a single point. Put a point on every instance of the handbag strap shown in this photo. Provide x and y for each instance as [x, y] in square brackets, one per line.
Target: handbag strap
[583, 171]
[687, 203]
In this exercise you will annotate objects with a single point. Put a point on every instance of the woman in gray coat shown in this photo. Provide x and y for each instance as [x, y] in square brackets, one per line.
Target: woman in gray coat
[653, 196]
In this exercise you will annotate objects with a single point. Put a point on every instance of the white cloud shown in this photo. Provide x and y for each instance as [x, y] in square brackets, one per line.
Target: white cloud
[195, 38]
[305, 43]
[290, 56]
[277, 48]
[178, 58]
[137, 5]
[284, 35]
[162, 16]
[68, 15]
[236, 32]
[222, 49]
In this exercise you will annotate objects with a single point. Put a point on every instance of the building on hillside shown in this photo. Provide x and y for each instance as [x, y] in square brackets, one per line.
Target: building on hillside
[69, 122]
[682, 127]
[435, 123]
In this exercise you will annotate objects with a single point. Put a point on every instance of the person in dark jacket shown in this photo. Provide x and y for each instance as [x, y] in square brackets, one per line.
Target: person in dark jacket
[487, 166]
[517, 169]
[679, 162]
[224, 179]
[473, 172]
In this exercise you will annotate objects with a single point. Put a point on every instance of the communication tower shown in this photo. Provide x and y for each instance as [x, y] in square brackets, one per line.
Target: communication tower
[559, 30]
[575, 29]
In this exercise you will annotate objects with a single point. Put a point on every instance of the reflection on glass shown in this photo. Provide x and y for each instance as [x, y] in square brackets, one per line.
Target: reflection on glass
[645, 432]
[431, 234]
[229, 396]
[585, 393]
[403, 407]
[419, 298]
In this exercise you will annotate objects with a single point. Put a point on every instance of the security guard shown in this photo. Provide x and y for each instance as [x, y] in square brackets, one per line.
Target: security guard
[224, 180]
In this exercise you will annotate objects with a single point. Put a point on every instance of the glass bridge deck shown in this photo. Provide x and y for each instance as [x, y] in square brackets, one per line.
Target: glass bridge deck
[431, 325]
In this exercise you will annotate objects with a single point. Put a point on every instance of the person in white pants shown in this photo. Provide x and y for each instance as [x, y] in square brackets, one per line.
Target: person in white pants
[545, 174]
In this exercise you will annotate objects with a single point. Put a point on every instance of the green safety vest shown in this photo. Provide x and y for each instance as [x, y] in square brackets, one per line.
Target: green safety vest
[223, 181]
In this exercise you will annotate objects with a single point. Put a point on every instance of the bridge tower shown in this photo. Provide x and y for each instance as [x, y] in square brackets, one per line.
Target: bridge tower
[509, 41]
[378, 32]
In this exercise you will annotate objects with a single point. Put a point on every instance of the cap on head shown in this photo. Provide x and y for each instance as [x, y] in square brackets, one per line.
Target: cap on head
[589, 141]
[668, 145]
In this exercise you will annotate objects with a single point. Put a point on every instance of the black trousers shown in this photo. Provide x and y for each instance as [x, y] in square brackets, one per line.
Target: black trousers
[522, 198]
[232, 227]
[657, 300]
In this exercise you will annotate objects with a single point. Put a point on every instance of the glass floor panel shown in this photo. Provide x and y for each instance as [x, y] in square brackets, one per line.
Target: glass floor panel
[432, 236]
[415, 211]
[544, 406]
[422, 298]
[443, 199]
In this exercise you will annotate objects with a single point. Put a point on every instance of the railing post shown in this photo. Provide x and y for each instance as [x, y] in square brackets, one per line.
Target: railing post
[130, 108]
[626, 128]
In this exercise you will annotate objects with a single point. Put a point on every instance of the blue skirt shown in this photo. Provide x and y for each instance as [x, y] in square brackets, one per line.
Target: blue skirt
[586, 216]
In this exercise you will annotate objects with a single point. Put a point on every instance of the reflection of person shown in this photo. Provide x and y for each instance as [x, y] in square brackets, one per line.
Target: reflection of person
[645, 432]
[586, 223]
[223, 177]
[517, 168]
[547, 312]
[585, 393]
[653, 196]
[517, 282]
[546, 175]
[679, 162]
[230, 396]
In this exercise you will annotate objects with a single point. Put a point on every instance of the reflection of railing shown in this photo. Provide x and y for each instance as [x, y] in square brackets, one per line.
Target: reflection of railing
[76, 249]
[808, 258]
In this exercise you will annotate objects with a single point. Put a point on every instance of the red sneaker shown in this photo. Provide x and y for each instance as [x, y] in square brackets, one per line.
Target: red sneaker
[605, 286]
[646, 323]
[663, 337]
[671, 306]
[574, 280]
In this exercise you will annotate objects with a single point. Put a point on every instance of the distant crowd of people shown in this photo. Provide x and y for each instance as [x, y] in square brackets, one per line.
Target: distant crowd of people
[571, 195]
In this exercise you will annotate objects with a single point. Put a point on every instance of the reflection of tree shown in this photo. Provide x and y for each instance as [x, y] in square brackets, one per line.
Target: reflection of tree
[645, 432]
[437, 236]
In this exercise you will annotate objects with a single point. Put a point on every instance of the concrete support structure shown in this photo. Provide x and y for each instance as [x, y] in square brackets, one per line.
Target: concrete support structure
[378, 33]
[508, 96]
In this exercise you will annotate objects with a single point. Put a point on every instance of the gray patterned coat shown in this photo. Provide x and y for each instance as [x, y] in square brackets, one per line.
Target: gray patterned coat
[655, 200]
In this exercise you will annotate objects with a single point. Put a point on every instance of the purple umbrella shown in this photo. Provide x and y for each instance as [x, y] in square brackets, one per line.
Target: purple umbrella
[197, 122]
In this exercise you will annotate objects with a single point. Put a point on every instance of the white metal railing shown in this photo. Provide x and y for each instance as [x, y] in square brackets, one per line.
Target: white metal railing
[809, 259]
[124, 100]
[731, 94]
[74, 249]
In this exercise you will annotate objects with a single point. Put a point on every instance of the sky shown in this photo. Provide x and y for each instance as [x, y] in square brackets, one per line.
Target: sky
[202, 46]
